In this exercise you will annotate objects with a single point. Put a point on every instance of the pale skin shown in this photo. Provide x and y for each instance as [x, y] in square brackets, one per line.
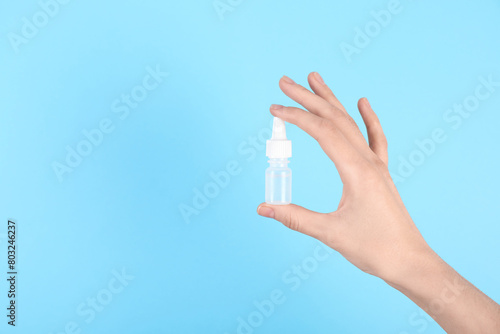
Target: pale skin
[371, 227]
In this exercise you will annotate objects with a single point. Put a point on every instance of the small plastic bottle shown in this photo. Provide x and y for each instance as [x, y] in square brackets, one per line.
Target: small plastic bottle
[278, 175]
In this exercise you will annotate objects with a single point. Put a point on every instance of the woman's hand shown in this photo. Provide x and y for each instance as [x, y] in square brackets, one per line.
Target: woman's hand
[371, 227]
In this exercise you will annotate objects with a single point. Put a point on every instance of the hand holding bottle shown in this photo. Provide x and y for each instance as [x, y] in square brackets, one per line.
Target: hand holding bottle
[371, 226]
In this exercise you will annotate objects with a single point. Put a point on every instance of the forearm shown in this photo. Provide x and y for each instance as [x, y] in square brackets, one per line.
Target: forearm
[455, 304]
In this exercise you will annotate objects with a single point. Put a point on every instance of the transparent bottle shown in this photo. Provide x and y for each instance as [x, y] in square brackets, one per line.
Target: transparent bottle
[278, 175]
[278, 182]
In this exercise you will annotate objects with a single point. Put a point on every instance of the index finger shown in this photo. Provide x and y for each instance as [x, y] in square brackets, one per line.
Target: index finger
[345, 157]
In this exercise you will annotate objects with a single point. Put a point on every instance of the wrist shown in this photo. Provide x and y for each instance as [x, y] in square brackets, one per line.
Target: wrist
[429, 282]
[417, 268]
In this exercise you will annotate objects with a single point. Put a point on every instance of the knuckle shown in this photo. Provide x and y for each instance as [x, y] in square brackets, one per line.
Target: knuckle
[375, 119]
[379, 164]
[383, 141]
[373, 123]
[382, 169]
[302, 94]
[337, 115]
[386, 174]
[353, 122]
[292, 221]
[340, 116]
[325, 129]
[290, 114]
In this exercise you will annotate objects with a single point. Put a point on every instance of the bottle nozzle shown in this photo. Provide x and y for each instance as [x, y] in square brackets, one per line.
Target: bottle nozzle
[279, 130]
[279, 147]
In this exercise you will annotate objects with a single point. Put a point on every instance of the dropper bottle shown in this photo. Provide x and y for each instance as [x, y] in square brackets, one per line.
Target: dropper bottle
[278, 175]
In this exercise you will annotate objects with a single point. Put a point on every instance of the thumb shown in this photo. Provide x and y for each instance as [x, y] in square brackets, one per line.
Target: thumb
[296, 218]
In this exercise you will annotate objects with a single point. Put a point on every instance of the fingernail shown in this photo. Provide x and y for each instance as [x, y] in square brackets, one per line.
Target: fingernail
[276, 107]
[265, 211]
[319, 78]
[366, 101]
[287, 80]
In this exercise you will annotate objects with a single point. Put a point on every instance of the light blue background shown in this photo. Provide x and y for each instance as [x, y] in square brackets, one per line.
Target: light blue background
[120, 207]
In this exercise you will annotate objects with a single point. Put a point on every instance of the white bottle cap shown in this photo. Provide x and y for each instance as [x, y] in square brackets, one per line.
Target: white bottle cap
[278, 147]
